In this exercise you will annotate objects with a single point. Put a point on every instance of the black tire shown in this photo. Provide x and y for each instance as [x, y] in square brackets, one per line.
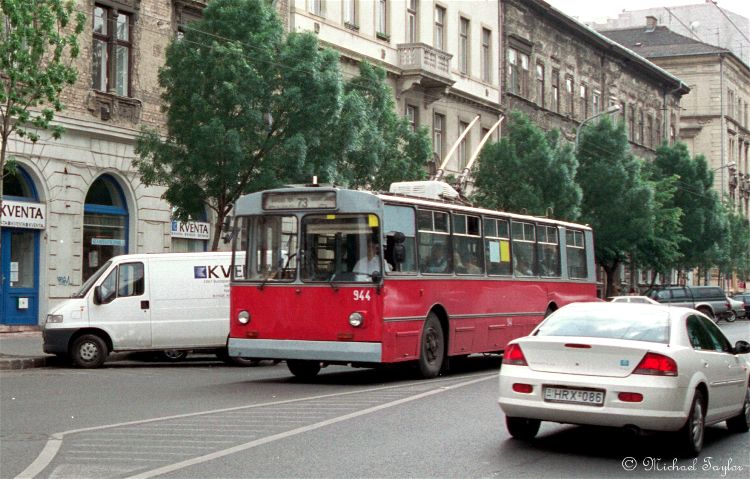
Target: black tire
[690, 436]
[88, 351]
[236, 361]
[522, 428]
[741, 422]
[173, 355]
[730, 317]
[431, 348]
[303, 369]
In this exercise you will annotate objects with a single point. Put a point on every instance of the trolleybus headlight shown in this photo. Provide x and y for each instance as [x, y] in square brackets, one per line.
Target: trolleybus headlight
[356, 319]
[243, 317]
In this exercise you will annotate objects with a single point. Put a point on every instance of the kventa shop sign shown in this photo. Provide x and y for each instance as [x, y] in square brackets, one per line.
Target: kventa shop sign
[20, 214]
[191, 230]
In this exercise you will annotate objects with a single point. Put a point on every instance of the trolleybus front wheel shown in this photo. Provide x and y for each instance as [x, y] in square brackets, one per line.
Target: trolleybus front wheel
[303, 369]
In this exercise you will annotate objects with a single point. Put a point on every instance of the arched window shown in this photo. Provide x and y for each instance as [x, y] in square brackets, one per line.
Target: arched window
[105, 224]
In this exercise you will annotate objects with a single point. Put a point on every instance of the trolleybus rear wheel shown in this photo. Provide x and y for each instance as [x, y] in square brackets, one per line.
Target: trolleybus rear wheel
[432, 348]
[303, 369]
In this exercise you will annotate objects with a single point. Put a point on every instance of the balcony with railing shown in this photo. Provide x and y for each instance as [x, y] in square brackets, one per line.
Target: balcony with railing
[425, 66]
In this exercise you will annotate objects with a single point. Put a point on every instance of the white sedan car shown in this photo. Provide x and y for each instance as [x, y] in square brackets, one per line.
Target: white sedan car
[632, 299]
[626, 365]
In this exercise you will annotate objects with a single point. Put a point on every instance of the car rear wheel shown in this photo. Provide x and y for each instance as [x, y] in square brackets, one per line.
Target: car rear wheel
[731, 316]
[690, 437]
[521, 427]
[89, 351]
[303, 369]
[741, 422]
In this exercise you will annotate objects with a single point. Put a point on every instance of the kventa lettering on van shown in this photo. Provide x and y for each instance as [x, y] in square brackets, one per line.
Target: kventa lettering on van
[211, 272]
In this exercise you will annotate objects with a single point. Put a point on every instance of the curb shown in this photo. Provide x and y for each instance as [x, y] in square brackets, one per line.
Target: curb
[12, 363]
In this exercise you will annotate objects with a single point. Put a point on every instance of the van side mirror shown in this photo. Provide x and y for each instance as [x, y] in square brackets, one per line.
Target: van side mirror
[102, 297]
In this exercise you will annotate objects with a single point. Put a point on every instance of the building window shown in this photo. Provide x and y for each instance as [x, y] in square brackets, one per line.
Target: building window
[584, 98]
[631, 124]
[111, 51]
[440, 28]
[540, 84]
[519, 71]
[350, 13]
[639, 133]
[623, 112]
[463, 46]
[596, 105]
[105, 220]
[381, 17]
[555, 90]
[486, 55]
[463, 147]
[438, 136]
[730, 103]
[315, 6]
[649, 140]
[412, 116]
[411, 21]
[570, 95]
[658, 139]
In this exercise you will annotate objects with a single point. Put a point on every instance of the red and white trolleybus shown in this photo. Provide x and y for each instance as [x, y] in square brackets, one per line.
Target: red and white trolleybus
[337, 276]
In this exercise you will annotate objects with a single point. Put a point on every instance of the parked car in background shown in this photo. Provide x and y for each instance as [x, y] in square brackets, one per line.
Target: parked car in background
[737, 311]
[745, 298]
[709, 300]
[632, 299]
[626, 365]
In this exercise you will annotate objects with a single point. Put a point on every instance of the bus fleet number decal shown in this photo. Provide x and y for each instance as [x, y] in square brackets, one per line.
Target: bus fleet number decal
[361, 295]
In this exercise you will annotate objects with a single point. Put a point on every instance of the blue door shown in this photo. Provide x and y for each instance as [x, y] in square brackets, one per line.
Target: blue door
[19, 290]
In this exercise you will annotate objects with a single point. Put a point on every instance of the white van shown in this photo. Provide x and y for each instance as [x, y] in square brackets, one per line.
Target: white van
[171, 303]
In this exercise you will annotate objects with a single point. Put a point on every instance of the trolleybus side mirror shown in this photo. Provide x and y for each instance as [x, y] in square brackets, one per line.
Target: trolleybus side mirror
[399, 250]
[377, 277]
[226, 227]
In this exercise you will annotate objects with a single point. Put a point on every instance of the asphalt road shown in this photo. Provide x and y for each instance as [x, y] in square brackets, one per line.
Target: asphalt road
[200, 419]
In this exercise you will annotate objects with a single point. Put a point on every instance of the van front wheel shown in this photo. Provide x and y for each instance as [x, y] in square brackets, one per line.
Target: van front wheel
[89, 351]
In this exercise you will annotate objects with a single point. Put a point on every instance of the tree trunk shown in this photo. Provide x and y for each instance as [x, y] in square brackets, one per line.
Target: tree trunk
[609, 271]
[217, 231]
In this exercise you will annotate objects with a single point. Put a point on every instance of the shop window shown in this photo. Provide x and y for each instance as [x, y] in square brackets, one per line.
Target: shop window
[105, 222]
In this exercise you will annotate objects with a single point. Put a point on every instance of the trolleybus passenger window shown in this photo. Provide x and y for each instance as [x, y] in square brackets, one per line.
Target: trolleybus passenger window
[400, 219]
[434, 242]
[497, 246]
[576, 254]
[549, 251]
[524, 251]
[467, 245]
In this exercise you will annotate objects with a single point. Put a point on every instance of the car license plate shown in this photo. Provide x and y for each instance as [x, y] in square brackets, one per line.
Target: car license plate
[590, 397]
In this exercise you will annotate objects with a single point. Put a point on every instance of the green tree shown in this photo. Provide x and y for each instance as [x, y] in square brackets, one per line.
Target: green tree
[617, 202]
[38, 40]
[734, 246]
[660, 252]
[247, 108]
[528, 171]
[385, 149]
[702, 222]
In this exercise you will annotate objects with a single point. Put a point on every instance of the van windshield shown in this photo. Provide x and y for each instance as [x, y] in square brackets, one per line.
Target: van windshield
[89, 282]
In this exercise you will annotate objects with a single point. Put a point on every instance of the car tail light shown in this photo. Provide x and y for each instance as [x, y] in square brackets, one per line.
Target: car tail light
[514, 355]
[630, 397]
[523, 388]
[656, 365]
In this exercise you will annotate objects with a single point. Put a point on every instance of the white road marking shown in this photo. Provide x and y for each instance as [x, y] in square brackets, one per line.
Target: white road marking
[53, 445]
[294, 432]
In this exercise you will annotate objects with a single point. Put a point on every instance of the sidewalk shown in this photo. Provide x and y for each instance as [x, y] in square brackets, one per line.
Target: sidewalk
[21, 348]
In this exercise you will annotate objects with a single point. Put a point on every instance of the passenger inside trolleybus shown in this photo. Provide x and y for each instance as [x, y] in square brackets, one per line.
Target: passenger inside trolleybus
[370, 262]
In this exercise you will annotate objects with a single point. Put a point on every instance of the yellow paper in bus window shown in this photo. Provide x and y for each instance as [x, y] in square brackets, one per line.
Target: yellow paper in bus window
[330, 217]
[372, 221]
[504, 251]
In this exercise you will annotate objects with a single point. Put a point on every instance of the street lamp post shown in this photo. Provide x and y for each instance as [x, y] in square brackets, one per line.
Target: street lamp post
[612, 109]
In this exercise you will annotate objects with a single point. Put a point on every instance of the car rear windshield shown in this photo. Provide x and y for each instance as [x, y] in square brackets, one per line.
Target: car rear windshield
[634, 325]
